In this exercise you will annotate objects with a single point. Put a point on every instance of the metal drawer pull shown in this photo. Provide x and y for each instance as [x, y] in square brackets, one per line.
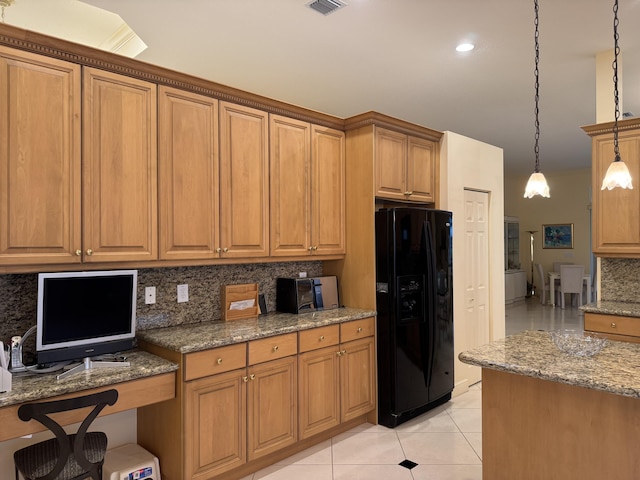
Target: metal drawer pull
[245, 379]
[78, 253]
[338, 353]
[89, 252]
[252, 376]
[343, 352]
[219, 361]
[275, 348]
[613, 325]
[359, 329]
[321, 337]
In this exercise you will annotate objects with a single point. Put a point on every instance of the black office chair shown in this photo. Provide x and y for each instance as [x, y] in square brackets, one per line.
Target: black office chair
[65, 457]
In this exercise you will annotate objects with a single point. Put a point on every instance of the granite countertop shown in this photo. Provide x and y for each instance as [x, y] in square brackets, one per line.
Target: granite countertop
[625, 309]
[615, 369]
[39, 386]
[202, 336]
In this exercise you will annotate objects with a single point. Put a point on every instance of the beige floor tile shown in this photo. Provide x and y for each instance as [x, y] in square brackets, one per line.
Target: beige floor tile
[470, 399]
[317, 455]
[368, 427]
[367, 448]
[467, 419]
[295, 472]
[371, 472]
[475, 439]
[438, 448]
[447, 472]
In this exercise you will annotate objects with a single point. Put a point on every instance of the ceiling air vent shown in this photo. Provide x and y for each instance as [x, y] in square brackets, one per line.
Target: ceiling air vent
[326, 7]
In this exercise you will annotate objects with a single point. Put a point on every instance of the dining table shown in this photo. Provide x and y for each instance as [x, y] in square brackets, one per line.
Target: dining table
[555, 276]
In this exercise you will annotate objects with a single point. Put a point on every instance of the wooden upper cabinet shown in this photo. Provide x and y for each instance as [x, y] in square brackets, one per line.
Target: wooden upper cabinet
[405, 167]
[307, 173]
[188, 175]
[328, 191]
[39, 159]
[421, 173]
[616, 228]
[120, 168]
[290, 178]
[244, 181]
[390, 164]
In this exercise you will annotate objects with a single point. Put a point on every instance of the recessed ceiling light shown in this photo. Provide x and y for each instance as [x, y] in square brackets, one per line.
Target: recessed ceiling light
[465, 47]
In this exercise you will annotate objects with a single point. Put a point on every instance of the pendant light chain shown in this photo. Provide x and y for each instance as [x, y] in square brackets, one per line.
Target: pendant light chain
[616, 51]
[536, 147]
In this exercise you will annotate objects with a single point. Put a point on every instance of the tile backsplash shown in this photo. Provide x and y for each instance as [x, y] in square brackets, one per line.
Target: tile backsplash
[620, 279]
[18, 293]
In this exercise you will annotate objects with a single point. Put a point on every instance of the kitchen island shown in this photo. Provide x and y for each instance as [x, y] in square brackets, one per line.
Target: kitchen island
[551, 415]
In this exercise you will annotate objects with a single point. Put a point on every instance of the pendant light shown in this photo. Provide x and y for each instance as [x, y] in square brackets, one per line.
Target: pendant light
[537, 184]
[617, 174]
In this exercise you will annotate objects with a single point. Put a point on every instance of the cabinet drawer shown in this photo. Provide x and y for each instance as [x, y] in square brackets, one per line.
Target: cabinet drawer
[271, 348]
[318, 338]
[216, 360]
[612, 324]
[357, 329]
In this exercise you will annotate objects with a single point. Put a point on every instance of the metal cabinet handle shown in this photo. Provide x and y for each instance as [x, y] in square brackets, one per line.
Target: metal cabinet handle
[359, 329]
[613, 325]
[310, 248]
[225, 249]
[78, 252]
[343, 352]
[338, 353]
[408, 193]
[252, 376]
[219, 361]
[218, 250]
[245, 379]
[321, 337]
[275, 348]
[315, 248]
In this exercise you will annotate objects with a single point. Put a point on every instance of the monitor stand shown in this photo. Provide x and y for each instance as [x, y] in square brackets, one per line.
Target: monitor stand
[88, 364]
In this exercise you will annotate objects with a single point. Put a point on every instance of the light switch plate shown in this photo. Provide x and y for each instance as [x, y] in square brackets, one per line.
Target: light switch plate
[183, 293]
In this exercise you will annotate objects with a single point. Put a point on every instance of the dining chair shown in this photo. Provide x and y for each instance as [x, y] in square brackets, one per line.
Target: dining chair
[544, 284]
[67, 456]
[571, 281]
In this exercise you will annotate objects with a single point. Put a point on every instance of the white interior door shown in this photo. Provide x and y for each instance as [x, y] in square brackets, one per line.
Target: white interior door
[475, 324]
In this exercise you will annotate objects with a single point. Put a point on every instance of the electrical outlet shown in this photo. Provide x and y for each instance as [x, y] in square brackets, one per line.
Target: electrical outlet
[150, 295]
[183, 293]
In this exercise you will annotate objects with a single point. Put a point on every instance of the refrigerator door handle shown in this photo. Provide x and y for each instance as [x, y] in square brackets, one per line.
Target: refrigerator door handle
[430, 311]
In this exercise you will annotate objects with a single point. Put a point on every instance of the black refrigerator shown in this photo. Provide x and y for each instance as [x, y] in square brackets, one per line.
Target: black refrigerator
[415, 311]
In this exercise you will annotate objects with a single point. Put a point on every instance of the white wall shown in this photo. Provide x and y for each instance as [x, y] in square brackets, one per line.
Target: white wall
[469, 164]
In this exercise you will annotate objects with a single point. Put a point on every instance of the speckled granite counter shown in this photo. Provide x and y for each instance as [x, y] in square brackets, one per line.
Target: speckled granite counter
[626, 309]
[615, 369]
[42, 386]
[202, 336]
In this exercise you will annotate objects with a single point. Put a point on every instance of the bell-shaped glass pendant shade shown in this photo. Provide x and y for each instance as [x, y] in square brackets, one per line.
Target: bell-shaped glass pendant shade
[617, 176]
[537, 185]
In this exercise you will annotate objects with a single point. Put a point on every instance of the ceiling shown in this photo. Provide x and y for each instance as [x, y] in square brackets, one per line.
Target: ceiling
[398, 57]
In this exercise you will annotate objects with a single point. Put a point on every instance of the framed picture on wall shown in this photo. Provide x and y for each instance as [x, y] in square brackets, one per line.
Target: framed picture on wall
[559, 235]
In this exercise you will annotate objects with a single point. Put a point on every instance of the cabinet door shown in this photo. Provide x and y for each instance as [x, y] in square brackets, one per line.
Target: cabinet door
[357, 378]
[272, 417]
[318, 391]
[244, 181]
[328, 191]
[119, 168]
[39, 159]
[390, 164]
[617, 211]
[188, 175]
[289, 164]
[215, 424]
[421, 162]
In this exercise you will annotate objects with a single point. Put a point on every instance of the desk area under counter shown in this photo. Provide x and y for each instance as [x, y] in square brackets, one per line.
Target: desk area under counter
[253, 391]
[147, 373]
[552, 415]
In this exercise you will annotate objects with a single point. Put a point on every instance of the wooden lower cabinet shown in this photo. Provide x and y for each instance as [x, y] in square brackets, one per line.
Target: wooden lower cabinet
[213, 405]
[272, 419]
[241, 407]
[614, 327]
